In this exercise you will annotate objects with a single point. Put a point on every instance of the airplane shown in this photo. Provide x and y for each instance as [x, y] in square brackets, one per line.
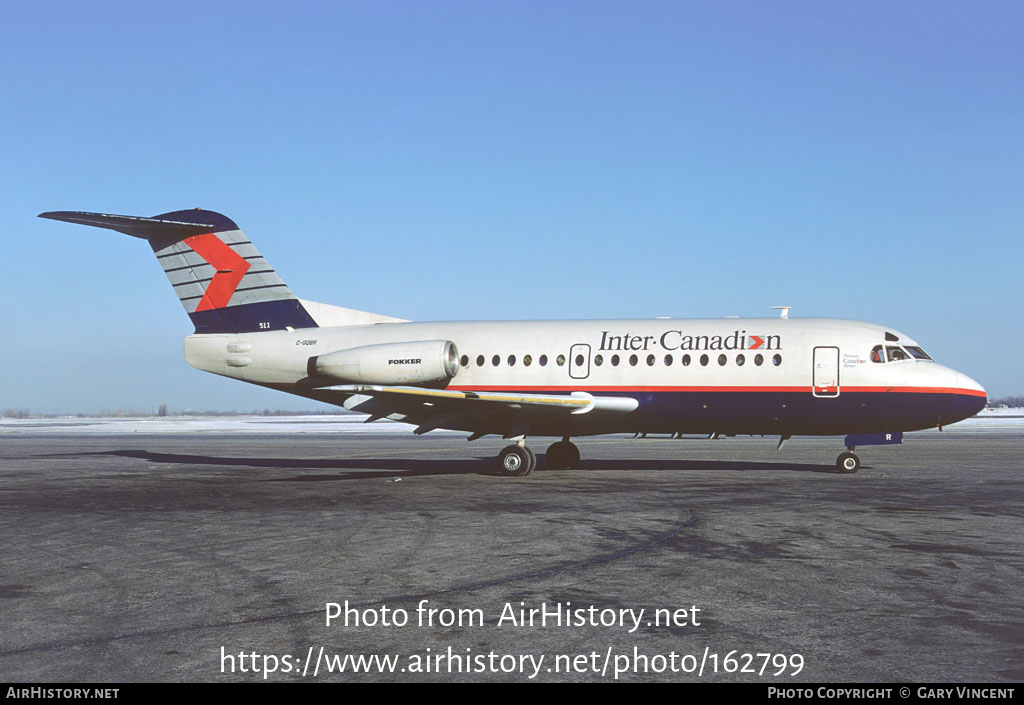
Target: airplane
[717, 377]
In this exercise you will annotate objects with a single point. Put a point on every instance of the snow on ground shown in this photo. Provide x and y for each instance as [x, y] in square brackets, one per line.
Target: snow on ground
[341, 423]
[1003, 411]
[994, 418]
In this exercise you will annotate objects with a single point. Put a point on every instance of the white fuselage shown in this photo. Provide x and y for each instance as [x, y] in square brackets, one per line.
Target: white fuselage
[729, 375]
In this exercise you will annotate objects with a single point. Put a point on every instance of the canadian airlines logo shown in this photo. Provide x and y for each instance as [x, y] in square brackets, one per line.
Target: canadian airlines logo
[231, 268]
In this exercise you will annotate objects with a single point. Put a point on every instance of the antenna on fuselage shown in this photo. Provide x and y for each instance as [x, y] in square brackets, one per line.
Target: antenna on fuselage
[783, 311]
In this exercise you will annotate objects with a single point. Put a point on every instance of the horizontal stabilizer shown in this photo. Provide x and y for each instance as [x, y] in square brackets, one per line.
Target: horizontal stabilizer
[145, 228]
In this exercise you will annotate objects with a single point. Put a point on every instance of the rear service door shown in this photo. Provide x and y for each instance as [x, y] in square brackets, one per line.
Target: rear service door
[826, 372]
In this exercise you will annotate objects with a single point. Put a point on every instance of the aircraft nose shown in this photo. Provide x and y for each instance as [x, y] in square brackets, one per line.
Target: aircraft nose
[965, 382]
[969, 398]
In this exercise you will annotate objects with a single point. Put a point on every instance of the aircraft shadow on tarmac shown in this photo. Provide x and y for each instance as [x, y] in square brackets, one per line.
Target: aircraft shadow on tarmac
[370, 468]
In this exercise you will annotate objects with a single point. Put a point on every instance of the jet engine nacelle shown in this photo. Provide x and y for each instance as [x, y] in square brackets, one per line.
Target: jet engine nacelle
[416, 362]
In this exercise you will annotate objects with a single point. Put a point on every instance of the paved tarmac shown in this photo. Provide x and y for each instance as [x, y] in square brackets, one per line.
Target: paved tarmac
[166, 557]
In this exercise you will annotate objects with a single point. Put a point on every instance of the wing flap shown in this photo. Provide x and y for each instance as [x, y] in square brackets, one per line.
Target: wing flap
[375, 398]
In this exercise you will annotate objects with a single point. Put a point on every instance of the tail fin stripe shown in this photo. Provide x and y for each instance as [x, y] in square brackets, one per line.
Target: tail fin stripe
[246, 251]
[190, 276]
[266, 286]
[248, 288]
[262, 277]
[191, 261]
[206, 279]
[169, 254]
[187, 266]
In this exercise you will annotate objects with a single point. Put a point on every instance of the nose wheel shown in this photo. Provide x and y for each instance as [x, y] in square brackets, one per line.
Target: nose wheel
[848, 462]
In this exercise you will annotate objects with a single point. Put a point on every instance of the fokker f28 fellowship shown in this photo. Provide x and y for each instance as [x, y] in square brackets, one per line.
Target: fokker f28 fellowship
[760, 376]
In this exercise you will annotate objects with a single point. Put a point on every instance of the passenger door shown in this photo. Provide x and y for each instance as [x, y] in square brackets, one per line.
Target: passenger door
[826, 372]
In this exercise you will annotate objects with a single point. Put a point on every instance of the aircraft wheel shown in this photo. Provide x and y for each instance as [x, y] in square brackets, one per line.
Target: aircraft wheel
[516, 461]
[533, 459]
[848, 462]
[563, 455]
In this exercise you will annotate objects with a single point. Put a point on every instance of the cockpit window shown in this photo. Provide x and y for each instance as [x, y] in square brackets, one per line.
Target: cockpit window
[896, 353]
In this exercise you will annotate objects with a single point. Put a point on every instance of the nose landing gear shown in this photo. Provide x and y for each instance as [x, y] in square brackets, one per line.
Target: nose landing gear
[848, 462]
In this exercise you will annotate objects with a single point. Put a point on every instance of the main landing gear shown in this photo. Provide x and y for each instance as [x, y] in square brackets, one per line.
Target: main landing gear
[518, 459]
[563, 455]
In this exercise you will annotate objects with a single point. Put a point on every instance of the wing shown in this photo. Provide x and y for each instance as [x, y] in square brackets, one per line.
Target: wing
[505, 413]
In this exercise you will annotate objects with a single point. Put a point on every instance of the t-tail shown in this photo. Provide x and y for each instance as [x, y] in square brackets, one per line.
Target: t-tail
[220, 277]
[224, 283]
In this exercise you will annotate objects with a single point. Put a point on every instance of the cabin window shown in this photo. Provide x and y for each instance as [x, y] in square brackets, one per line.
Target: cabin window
[464, 360]
[759, 359]
[650, 360]
[543, 360]
[560, 360]
[686, 360]
[496, 360]
[722, 359]
[740, 359]
[668, 361]
[527, 360]
[776, 360]
[703, 360]
[579, 361]
[479, 360]
[511, 360]
[615, 360]
[598, 360]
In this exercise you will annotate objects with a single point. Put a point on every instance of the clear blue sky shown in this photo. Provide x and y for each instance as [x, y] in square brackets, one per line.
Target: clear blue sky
[465, 160]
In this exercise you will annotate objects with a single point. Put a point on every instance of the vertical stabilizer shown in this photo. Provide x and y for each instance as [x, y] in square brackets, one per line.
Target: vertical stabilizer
[224, 283]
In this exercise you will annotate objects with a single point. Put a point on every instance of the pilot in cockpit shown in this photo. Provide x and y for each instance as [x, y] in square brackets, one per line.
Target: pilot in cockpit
[894, 352]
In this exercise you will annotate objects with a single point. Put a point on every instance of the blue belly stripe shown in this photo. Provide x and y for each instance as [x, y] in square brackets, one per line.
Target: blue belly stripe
[251, 318]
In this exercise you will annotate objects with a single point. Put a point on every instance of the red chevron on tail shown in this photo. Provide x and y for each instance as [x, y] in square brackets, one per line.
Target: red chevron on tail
[229, 265]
